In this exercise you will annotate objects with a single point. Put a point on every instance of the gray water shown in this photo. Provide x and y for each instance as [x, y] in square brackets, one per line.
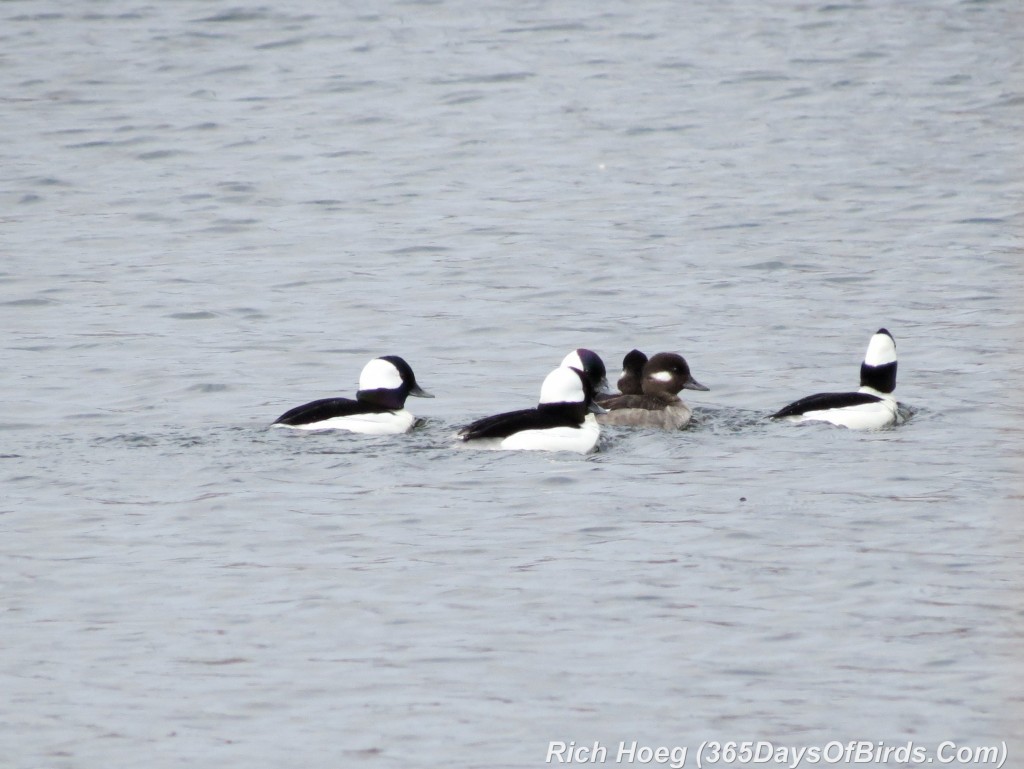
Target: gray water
[214, 212]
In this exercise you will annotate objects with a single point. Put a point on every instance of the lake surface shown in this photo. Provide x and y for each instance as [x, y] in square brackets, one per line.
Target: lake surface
[213, 212]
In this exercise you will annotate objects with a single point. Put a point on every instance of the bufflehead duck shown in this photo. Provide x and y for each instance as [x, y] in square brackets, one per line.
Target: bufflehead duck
[658, 405]
[378, 409]
[590, 363]
[561, 421]
[630, 381]
[871, 407]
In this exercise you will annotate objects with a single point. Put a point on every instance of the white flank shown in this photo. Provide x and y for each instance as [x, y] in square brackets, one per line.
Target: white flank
[580, 439]
[866, 416]
[382, 423]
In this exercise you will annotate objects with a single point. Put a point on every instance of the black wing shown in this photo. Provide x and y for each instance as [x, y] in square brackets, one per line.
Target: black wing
[499, 425]
[503, 425]
[326, 408]
[823, 401]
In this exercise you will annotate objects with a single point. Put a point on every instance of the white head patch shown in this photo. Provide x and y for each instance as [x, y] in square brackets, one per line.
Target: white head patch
[380, 374]
[572, 360]
[562, 385]
[881, 350]
[661, 376]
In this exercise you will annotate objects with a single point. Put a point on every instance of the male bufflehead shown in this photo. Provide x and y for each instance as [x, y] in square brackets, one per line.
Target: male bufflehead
[561, 421]
[590, 363]
[659, 405]
[631, 380]
[871, 407]
[378, 409]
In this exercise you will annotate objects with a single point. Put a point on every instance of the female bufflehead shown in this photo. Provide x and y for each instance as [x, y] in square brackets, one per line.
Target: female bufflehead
[560, 422]
[658, 405]
[631, 380]
[871, 407]
[590, 363]
[379, 407]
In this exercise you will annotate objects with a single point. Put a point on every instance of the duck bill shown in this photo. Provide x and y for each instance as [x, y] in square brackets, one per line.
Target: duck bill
[596, 408]
[693, 384]
[419, 392]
